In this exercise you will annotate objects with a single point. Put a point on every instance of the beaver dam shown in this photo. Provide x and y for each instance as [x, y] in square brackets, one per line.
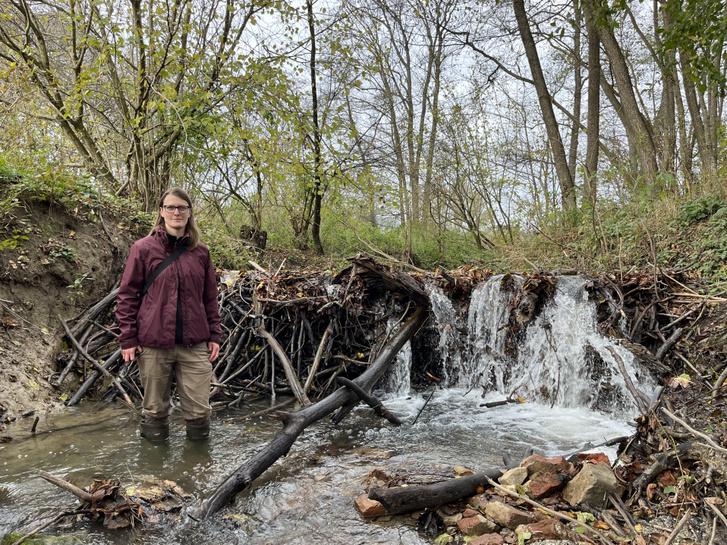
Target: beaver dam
[383, 379]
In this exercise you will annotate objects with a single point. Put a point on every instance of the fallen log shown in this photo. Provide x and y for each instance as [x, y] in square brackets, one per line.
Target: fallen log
[405, 499]
[295, 423]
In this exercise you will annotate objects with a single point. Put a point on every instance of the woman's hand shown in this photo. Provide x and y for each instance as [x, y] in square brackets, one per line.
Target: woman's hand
[214, 350]
[129, 354]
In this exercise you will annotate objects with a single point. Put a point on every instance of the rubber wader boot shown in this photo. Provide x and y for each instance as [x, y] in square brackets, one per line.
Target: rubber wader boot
[156, 433]
[198, 430]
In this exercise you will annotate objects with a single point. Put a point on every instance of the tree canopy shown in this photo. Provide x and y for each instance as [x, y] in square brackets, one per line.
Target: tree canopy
[349, 118]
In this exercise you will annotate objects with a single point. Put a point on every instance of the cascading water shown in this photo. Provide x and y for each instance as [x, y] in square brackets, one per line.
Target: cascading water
[399, 382]
[561, 359]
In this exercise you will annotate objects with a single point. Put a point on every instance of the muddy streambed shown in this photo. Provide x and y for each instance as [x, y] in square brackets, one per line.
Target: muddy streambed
[306, 497]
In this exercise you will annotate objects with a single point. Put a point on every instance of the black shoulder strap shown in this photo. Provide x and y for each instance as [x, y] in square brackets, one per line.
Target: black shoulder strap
[179, 250]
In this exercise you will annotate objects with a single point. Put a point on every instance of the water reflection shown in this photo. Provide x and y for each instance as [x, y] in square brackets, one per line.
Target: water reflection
[305, 497]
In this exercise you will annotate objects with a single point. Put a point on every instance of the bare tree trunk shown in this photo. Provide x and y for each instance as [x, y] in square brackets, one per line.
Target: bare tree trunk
[594, 113]
[665, 123]
[695, 113]
[567, 187]
[317, 167]
[577, 93]
[638, 129]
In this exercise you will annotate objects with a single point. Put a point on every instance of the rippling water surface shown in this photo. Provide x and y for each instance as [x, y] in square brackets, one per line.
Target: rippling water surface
[307, 496]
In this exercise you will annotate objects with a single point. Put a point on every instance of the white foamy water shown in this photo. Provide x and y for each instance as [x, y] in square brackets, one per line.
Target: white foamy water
[561, 360]
[454, 427]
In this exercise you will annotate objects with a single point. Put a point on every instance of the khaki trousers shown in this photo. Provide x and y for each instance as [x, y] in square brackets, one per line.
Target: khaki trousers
[193, 372]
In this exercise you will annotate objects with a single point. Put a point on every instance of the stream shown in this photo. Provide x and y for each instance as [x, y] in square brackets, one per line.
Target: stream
[306, 497]
[561, 370]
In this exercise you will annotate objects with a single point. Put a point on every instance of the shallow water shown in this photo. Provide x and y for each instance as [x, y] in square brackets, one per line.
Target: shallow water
[307, 496]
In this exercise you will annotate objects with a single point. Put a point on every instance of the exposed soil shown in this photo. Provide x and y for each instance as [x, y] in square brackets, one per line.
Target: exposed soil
[69, 260]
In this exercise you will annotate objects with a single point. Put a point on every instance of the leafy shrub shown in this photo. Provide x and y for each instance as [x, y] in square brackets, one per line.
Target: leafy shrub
[63, 253]
[699, 209]
[227, 251]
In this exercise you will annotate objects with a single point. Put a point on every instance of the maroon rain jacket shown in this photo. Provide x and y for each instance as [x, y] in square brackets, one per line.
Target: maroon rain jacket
[151, 321]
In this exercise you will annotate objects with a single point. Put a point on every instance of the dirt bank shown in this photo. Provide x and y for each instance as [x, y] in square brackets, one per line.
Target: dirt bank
[69, 260]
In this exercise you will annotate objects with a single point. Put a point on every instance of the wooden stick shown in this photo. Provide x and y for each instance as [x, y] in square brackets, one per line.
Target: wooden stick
[262, 412]
[96, 364]
[719, 383]
[405, 499]
[65, 485]
[556, 514]
[714, 532]
[691, 430]
[717, 512]
[639, 397]
[372, 402]
[678, 528]
[243, 367]
[671, 341]
[318, 357]
[72, 361]
[95, 311]
[93, 378]
[287, 366]
[259, 268]
[297, 301]
[621, 508]
[51, 522]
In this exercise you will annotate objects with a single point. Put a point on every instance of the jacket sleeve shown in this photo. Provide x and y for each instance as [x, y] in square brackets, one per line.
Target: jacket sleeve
[210, 302]
[127, 302]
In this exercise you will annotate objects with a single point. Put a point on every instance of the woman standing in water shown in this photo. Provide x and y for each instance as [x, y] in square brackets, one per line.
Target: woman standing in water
[173, 329]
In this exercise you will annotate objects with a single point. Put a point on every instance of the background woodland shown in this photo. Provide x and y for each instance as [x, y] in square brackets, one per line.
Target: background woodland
[584, 134]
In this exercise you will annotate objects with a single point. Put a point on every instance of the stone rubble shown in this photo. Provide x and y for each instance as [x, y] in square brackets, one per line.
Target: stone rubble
[494, 518]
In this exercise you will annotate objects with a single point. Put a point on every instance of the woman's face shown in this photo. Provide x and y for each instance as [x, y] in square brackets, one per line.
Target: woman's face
[175, 220]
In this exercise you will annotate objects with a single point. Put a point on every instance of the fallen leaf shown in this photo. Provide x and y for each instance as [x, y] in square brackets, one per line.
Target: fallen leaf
[650, 491]
[682, 381]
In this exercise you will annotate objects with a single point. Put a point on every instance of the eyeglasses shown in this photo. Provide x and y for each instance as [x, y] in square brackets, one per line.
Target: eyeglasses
[181, 209]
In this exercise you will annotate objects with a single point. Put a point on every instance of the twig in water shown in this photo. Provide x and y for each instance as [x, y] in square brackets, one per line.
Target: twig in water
[423, 406]
[51, 522]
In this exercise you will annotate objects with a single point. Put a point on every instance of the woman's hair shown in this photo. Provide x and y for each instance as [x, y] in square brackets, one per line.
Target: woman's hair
[191, 225]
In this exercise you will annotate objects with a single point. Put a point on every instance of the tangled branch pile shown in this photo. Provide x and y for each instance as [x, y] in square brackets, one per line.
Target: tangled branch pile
[320, 326]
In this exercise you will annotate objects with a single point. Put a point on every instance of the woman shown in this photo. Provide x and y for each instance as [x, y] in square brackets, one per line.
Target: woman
[174, 327]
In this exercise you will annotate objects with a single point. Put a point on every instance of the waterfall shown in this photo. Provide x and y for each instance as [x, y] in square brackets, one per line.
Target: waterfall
[399, 376]
[561, 358]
